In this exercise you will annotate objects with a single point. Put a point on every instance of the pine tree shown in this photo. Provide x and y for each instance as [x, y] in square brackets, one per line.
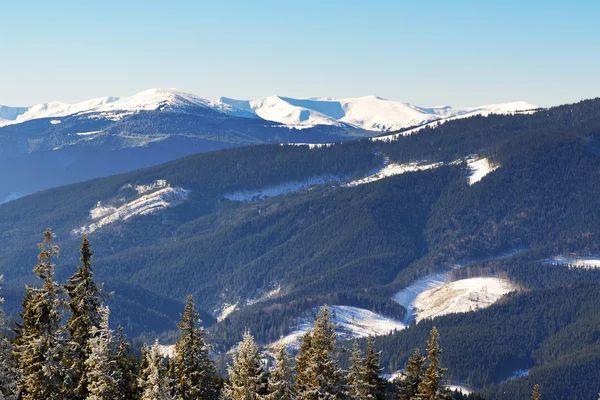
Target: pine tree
[431, 387]
[408, 386]
[280, 385]
[371, 369]
[194, 371]
[318, 373]
[535, 395]
[355, 374]
[100, 365]
[246, 374]
[40, 345]
[155, 383]
[8, 368]
[125, 366]
[304, 373]
[85, 300]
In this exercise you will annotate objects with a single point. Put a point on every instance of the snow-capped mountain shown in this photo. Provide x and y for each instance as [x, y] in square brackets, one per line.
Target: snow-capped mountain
[368, 113]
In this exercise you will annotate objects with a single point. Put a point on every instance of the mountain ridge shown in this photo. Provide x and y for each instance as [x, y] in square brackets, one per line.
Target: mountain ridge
[370, 113]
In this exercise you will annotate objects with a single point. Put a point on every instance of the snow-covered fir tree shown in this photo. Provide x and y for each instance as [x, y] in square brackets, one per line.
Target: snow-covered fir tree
[246, 373]
[8, 368]
[356, 388]
[155, 382]
[363, 377]
[194, 371]
[373, 384]
[431, 387]
[125, 366]
[85, 300]
[319, 375]
[100, 365]
[280, 384]
[40, 344]
[535, 395]
[408, 385]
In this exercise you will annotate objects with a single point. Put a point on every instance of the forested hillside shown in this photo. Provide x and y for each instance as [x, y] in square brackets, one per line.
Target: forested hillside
[269, 233]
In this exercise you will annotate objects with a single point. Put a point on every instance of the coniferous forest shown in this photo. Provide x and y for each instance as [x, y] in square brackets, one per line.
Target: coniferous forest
[63, 348]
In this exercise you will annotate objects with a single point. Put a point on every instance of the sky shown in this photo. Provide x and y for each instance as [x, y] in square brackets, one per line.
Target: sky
[430, 53]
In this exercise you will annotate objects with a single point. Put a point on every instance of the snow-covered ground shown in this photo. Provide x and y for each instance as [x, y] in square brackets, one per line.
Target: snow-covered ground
[276, 190]
[520, 107]
[369, 113]
[577, 262]
[352, 322]
[225, 311]
[479, 168]
[461, 296]
[147, 202]
[391, 169]
[407, 296]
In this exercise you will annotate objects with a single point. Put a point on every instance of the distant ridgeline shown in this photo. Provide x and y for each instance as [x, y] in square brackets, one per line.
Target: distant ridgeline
[262, 236]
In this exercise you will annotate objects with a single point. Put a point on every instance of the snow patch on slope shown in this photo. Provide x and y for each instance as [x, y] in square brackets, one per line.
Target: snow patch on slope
[352, 322]
[519, 107]
[479, 168]
[276, 190]
[576, 261]
[145, 203]
[407, 296]
[391, 169]
[461, 296]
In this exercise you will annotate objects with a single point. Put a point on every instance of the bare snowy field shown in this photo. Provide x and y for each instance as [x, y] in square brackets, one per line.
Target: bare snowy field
[479, 168]
[150, 199]
[461, 296]
[576, 262]
[352, 322]
[391, 169]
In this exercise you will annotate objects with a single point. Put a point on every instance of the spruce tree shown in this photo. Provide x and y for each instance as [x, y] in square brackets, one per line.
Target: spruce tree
[8, 368]
[155, 383]
[431, 387]
[100, 365]
[40, 344]
[373, 384]
[85, 300]
[246, 374]
[125, 367]
[355, 374]
[318, 373]
[194, 371]
[280, 385]
[535, 395]
[304, 373]
[408, 386]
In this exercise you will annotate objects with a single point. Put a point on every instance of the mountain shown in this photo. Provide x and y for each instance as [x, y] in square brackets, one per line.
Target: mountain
[264, 235]
[111, 135]
[368, 113]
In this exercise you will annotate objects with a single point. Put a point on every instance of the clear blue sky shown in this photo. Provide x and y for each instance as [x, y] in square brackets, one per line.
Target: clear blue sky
[461, 53]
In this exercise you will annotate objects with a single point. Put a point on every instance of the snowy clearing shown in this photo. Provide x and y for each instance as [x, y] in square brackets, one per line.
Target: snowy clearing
[576, 261]
[283, 188]
[225, 311]
[352, 322]
[391, 169]
[461, 296]
[479, 168]
[87, 133]
[102, 215]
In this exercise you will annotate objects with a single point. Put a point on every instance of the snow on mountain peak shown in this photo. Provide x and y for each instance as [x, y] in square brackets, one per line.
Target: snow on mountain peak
[368, 113]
